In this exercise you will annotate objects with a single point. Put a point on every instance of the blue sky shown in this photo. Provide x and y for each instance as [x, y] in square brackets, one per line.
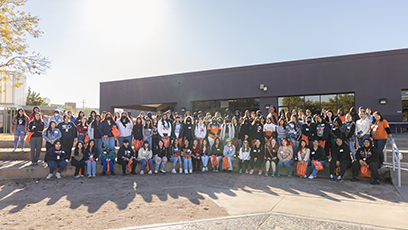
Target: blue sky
[92, 41]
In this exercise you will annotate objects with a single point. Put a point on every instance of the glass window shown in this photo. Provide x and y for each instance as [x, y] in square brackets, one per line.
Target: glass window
[404, 97]
[298, 102]
[347, 98]
[328, 99]
[283, 101]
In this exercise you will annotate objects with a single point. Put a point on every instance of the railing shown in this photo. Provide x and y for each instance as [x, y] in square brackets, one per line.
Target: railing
[396, 156]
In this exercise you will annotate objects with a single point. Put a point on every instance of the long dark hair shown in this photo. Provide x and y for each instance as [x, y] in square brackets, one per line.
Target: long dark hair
[299, 148]
[18, 113]
[76, 151]
[88, 148]
[379, 114]
[49, 129]
[37, 121]
[124, 119]
[148, 126]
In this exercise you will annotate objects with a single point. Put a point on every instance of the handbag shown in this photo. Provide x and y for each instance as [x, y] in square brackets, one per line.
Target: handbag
[301, 169]
[225, 163]
[365, 171]
[318, 165]
[115, 132]
[29, 134]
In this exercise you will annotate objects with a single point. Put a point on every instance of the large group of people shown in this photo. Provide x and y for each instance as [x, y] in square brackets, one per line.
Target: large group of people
[198, 141]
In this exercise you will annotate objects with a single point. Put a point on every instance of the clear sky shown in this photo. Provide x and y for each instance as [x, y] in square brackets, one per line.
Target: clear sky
[92, 41]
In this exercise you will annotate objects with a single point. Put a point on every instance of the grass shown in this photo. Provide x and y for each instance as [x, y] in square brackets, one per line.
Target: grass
[6, 136]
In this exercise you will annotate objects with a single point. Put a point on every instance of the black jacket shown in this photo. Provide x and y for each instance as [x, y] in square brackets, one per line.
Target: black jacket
[173, 128]
[309, 131]
[188, 131]
[138, 131]
[125, 152]
[341, 153]
[257, 132]
[56, 155]
[319, 154]
[36, 128]
[370, 154]
[160, 152]
[257, 152]
[244, 129]
[106, 129]
[68, 130]
[335, 133]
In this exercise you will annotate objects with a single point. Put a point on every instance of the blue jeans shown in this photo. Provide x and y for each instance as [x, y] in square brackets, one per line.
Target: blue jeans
[81, 138]
[295, 145]
[149, 140]
[360, 140]
[380, 144]
[121, 139]
[314, 171]
[175, 160]
[144, 163]
[19, 134]
[105, 166]
[109, 141]
[91, 167]
[98, 146]
[205, 159]
[189, 162]
[352, 149]
[54, 165]
[286, 164]
[161, 163]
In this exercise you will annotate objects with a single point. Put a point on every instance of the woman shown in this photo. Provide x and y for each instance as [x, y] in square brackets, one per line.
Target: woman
[229, 152]
[295, 113]
[51, 134]
[36, 109]
[127, 157]
[174, 156]
[200, 130]
[379, 131]
[294, 131]
[216, 154]
[90, 158]
[156, 135]
[148, 131]
[369, 114]
[227, 130]
[257, 153]
[56, 158]
[177, 131]
[77, 159]
[196, 154]
[322, 130]
[281, 131]
[245, 130]
[348, 130]
[303, 154]
[78, 120]
[213, 131]
[69, 133]
[188, 127]
[329, 117]
[105, 129]
[138, 132]
[160, 157]
[206, 152]
[335, 131]
[309, 131]
[317, 155]
[144, 158]
[164, 128]
[340, 115]
[117, 116]
[285, 154]
[257, 131]
[363, 126]
[272, 112]
[36, 126]
[94, 134]
[186, 154]
[271, 156]
[125, 127]
[269, 129]
[282, 115]
[341, 158]
[244, 156]
[353, 114]
[367, 155]
[20, 128]
[92, 116]
[82, 128]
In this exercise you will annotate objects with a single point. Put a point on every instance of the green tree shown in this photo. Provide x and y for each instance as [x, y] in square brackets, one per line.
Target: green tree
[35, 99]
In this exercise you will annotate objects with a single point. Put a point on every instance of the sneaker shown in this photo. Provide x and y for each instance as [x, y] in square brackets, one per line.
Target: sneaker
[113, 173]
[14, 150]
[22, 150]
[150, 172]
[45, 165]
[82, 175]
[173, 171]
[94, 175]
[331, 177]
[191, 171]
[206, 169]
[251, 172]
[339, 179]
[180, 170]
[49, 176]
[185, 171]
[216, 170]
[305, 176]
[260, 172]
[141, 172]
[374, 182]
[77, 176]
[203, 170]
[246, 170]
[273, 174]
[103, 174]
[240, 170]
[124, 174]
[213, 169]
[289, 175]
[312, 177]
[58, 175]
[89, 175]
[278, 173]
[133, 172]
[355, 179]
[155, 171]
[162, 171]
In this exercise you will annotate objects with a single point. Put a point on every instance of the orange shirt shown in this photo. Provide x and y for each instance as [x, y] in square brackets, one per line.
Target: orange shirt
[378, 130]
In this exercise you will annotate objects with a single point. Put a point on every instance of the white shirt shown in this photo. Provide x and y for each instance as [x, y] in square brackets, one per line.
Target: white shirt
[363, 127]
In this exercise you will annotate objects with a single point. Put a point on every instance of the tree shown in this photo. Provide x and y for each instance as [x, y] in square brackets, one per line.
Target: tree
[35, 99]
[15, 25]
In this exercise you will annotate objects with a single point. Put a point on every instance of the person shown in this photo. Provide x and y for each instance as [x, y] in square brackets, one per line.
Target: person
[272, 112]
[294, 131]
[90, 158]
[282, 115]
[148, 131]
[257, 131]
[174, 155]
[285, 154]
[322, 130]
[245, 130]
[200, 130]
[56, 158]
[196, 154]
[316, 154]
[145, 158]
[227, 129]
[51, 134]
[158, 115]
[57, 117]
[20, 128]
[271, 156]
[117, 116]
[105, 129]
[216, 154]
[177, 131]
[79, 118]
[188, 129]
[362, 129]
[69, 133]
[269, 129]
[335, 132]
[369, 114]
[309, 131]
[160, 157]
[244, 156]
[214, 131]
[36, 126]
[237, 114]
[92, 116]
[186, 154]
[94, 134]
[341, 158]
[340, 115]
[82, 128]
[329, 117]
[126, 154]
[379, 131]
[36, 109]
[229, 151]
[138, 132]
[206, 152]
[367, 155]
[156, 135]
[71, 117]
[164, 126]
[257, 153]
[77, 159]
[303, 154]
[353, 114]
[348, 130]
[107, 156]
[280, 130]
[125, 127]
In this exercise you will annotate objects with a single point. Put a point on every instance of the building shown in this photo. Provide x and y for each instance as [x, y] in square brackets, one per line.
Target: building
[378, 80]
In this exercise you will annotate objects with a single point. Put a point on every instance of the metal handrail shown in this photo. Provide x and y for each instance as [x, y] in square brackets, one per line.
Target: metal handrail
[396, 156]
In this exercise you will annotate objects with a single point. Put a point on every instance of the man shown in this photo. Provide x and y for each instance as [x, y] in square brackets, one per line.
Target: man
[126, 154]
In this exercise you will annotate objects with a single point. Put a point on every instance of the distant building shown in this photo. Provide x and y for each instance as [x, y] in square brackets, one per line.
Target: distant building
[71, 104]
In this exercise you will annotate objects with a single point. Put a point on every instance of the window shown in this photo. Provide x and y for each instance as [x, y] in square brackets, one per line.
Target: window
[251, 104]
[404, 97]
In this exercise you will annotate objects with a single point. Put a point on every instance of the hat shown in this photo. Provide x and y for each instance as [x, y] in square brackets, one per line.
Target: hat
[56, 111]
[228, 140]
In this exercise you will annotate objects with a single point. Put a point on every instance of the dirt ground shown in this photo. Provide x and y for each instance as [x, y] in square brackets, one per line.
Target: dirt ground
[135, 200]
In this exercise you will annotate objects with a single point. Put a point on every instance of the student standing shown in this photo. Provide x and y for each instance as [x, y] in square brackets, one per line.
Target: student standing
[227, 130]
[125, 127]
[148, 131]
[94, 134]
[214, 131]
[281, 131]
[164, 127]
[57, 117]
[105, 129]
[37, 127]
[363, 128]
[51, 134]
[379, 131]
[82, 128]
[78, 120]
[200, 130]
[92, 116]
[69, 133]
[348, 130]
[20, 128]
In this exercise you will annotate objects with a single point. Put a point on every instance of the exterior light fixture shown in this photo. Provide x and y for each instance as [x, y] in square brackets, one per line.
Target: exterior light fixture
[383, 101]
[261, 86]
[265, 89]
[183, 109]
[267, 107]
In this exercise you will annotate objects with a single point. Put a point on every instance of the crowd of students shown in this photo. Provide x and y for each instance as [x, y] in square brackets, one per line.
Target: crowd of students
[202, 142]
